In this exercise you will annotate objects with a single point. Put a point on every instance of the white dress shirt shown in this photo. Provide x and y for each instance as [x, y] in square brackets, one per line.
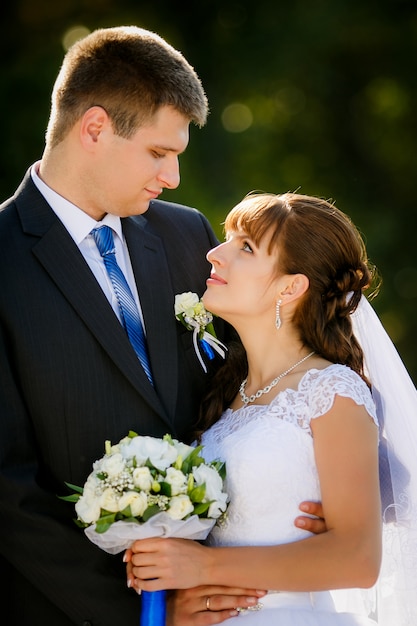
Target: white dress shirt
[79, 225]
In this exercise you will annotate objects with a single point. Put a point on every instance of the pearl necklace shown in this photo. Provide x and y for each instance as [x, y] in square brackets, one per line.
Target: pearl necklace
[246, 399]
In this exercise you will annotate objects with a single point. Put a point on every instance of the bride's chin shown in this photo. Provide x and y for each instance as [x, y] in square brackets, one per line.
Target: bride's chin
[206, 300]
[211, 306]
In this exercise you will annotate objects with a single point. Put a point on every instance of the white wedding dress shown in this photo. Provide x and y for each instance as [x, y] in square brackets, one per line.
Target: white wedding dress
[271, 469]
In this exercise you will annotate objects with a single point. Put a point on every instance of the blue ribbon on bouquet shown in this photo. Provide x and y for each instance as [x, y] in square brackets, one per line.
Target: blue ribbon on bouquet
[153, 608]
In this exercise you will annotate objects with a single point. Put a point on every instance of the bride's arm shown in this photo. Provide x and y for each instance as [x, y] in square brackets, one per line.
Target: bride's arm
[348, 555]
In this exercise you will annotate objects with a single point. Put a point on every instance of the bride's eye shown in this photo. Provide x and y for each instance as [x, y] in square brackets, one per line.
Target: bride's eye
[247, 247]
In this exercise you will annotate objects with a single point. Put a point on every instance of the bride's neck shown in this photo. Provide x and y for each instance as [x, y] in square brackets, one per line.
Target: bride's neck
[268, 357]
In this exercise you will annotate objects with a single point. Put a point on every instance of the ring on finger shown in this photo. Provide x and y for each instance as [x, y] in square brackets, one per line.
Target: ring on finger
[208, 603]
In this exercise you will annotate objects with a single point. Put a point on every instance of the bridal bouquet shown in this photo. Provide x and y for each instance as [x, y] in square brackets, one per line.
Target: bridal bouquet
[148, 487]
[191, 312]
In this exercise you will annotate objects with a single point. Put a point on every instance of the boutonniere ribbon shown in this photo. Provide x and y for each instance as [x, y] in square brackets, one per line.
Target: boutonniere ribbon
[190, 311]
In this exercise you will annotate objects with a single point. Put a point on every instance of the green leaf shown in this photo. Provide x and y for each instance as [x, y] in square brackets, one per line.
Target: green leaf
[192, 460]
[210, 329]
[166, 489]
[220, 467]
[131, 519]
[196, 451]
[200, 509]
[150, 512]
[101, 527]
[131, 434]
[75, 488]
[127, 512]
[80, 523]
[150, 465]
[105, 522]
[74, 497]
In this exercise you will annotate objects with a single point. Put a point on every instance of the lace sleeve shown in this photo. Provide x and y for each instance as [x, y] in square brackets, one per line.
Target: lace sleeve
[339, 380]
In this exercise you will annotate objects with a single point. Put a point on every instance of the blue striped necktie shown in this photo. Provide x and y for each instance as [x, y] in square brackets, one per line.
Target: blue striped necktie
[103, 236]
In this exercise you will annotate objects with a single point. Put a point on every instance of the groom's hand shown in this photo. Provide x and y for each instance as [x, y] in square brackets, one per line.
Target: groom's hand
[314, 520]
[206, 605]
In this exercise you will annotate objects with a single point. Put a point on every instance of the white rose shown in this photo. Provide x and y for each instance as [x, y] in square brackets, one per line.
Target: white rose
[92, 484]
[185, 303]
[109, 500]
[142, 478]
[160, 453]
[204, 474]
[113, 449]
[88, 506]
[112, 465]
[137, 501]
[182, 449]
[217, 507]
[180, 507]
[177, 480]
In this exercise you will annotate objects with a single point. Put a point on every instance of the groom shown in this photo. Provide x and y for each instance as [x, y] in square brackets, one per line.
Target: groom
[70, 377]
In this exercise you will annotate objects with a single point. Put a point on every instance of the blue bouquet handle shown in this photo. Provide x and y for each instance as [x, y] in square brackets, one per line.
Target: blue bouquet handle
[153, 610]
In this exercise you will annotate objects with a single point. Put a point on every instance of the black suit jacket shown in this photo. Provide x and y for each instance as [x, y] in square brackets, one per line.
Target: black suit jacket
[70, 380]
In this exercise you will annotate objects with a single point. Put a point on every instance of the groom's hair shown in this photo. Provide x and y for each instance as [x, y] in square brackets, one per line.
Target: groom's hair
[131, 73]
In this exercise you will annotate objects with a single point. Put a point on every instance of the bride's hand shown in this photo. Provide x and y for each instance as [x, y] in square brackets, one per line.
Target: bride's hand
[167, 563]
[200, 606]
[158, 563]
[205, 605]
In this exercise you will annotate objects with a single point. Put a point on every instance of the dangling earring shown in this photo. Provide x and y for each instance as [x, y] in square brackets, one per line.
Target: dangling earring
[278, 320]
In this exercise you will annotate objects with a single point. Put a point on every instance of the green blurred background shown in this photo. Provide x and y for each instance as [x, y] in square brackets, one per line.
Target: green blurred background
[311, 95]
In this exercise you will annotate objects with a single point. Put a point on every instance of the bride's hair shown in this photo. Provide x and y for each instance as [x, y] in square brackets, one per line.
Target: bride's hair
[318, 240]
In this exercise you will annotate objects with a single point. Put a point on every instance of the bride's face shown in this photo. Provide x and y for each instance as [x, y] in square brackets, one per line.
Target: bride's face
[243, 279]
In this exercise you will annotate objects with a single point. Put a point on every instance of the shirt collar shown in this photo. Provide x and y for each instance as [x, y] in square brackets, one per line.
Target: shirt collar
[75, 220]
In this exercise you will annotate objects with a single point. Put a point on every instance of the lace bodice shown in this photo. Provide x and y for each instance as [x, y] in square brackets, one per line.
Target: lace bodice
[269, 456]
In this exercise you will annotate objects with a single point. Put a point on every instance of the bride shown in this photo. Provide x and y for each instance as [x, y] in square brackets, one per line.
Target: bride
[297, 415]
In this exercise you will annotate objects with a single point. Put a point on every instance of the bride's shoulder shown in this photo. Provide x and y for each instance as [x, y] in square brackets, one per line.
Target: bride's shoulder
[323, 385]
[333, 374]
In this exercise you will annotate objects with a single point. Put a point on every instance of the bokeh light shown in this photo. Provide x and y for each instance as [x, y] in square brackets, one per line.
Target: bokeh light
[73, 34]
[237, 118]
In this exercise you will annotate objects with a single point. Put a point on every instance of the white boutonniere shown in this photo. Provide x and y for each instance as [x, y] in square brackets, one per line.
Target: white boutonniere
[190, 311]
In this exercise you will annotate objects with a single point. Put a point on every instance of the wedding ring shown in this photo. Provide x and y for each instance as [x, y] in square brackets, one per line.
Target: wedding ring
[208, 603]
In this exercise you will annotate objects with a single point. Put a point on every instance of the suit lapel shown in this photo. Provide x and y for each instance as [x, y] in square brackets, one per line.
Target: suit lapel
[61, 258]
[152, 275]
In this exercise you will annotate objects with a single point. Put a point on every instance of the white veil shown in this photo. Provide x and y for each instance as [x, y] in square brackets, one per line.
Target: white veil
[396, 399]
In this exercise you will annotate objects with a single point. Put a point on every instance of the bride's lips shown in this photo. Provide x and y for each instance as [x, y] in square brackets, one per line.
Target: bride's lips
[215, 279]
